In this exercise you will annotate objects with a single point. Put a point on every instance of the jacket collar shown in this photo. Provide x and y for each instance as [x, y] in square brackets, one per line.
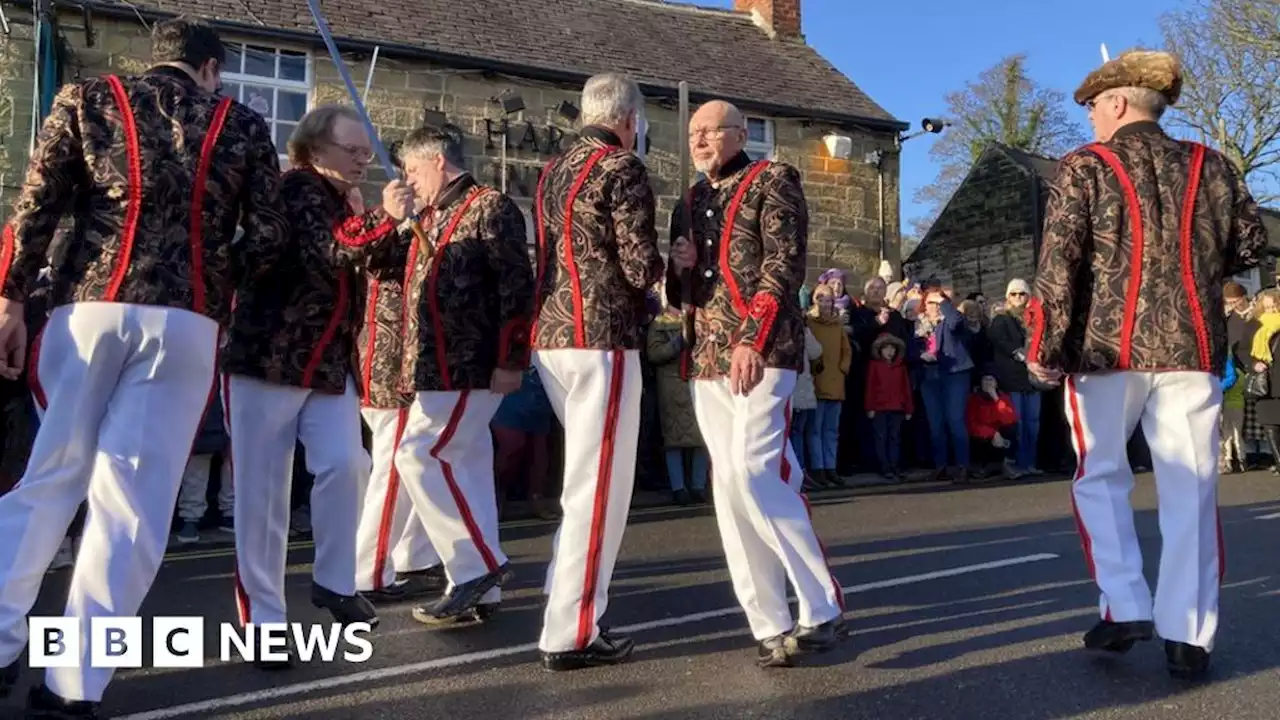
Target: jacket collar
[169, 71]
[1144, 126]
[455, 190]
[604, 135]
[732, 166]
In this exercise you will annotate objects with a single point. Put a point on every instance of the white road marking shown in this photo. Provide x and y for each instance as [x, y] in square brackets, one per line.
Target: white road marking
[1272, 516]
[369, 676]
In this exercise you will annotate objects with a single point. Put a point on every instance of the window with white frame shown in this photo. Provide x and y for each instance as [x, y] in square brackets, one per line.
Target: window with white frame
[760, 138]
[274, 83]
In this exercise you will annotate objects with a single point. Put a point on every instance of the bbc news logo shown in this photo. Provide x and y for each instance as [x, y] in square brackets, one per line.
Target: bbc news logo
[179, 642]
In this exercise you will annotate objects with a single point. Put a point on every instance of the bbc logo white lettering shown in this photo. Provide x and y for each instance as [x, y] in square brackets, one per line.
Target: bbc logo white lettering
[179, 642]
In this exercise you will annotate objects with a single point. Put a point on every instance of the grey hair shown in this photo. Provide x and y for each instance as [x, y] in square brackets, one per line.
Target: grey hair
[316, 129]
[432, 142]
[610, 99]
[1145, 100]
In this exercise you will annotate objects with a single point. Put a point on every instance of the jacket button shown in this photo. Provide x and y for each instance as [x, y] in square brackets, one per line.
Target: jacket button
[711, 213]
[708, 274]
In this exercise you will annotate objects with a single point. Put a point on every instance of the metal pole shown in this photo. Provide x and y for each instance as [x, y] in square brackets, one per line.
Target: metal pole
[368, 80]
[504, 155]
[683, 184]
[880, 182]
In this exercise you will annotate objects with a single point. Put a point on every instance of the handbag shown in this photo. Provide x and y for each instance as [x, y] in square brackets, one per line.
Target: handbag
[1258, 385]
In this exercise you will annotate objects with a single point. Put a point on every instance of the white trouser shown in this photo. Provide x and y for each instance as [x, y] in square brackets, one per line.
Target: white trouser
[446, 463]
[596, 395]
[388, 512]
[192, 498]
[265, 421]
[1179, 414]
[764, 521]
[126, 387]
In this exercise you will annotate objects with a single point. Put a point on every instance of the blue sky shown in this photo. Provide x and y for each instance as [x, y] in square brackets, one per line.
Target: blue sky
[908, 55]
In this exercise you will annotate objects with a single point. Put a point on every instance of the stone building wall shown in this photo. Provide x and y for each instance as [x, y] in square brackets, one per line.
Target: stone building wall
[986, 235]
[842, 195]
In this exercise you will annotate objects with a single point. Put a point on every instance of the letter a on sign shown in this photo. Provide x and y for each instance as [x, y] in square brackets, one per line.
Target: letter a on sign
[55, 642]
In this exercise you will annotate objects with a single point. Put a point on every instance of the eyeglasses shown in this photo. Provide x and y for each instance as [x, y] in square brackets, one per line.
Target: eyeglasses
[1017, 294]
[355, 151]
[716, 131]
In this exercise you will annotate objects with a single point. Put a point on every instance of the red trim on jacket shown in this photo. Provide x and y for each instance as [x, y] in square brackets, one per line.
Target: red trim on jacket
[197, 203]
[6, 254]
[764, 308]
[134, 208]
[349, 232]
[1035, 324]
[575, 279]
[433, 278]
[330, 330]
[540, 230]
[370, 322]
[726, 235]
[514, 330]
[1135, 254]
[1185, 239]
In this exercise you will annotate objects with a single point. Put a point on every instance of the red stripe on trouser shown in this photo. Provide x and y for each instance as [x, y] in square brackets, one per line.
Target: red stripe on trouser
[1077, 429]
[388, 505]
[242, 597]
[604, 474]
[464, 510]
[835, 584]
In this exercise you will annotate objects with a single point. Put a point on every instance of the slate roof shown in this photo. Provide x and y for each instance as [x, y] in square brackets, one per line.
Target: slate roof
[1041, 165]
[719, 52]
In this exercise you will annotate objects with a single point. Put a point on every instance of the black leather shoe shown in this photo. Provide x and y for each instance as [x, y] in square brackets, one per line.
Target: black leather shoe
[823, 638]
[409, 586]
[466, 596]
[43, 704]
[9, 678]
[474, 616]
[1186, 662]
[606, 650]
[1118, 637]
[346, 609]
[772, 652]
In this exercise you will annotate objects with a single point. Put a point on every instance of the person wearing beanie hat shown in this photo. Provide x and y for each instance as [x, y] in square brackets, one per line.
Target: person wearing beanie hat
[1236, 406]
[1008, 336]
[1141, 231]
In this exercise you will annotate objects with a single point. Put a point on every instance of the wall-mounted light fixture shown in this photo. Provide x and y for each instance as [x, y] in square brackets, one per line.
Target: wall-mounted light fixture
[434, 118]
[840, 147]
[510, 100]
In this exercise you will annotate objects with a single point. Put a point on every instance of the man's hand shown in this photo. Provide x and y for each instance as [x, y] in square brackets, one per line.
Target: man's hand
[13, 339]
[1045, 375]
[1259, 367]
[928, 357]
[683, 255]
[397, 199]
[505, 382]
[908, 416]
[355, 200]
[746, 369]
[871, 414]
[999, 441]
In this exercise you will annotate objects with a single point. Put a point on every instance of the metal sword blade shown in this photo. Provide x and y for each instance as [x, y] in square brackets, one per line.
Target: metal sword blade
[378, 148]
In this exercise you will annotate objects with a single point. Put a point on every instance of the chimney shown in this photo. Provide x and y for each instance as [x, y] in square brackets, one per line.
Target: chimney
[780, 17]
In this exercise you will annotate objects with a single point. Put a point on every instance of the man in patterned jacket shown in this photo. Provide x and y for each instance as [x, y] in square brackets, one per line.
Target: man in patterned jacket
[160, 171]
[394, 556]
[597, 256]
[468, 297]
[289, 376]
[1140, 233]
[745, 256]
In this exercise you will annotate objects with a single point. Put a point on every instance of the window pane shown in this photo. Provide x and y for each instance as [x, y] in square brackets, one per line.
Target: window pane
[260, 61]
[259, 100]
[757, 130]
[293, 66]
[283, 132]
[290, 105]
[234, 58]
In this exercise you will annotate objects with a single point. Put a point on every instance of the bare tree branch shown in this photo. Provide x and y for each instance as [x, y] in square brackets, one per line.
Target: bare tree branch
[1002, 105]
[1230, 52]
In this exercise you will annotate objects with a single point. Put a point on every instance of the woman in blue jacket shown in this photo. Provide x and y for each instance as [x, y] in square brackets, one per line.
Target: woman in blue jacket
[945, 383]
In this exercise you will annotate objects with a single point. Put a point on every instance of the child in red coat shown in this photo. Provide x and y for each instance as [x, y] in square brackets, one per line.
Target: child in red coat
[888, 399]
[992, 420]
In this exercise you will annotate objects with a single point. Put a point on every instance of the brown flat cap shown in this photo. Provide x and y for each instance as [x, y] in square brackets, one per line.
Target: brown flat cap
[1159, 71]
[1233, 290]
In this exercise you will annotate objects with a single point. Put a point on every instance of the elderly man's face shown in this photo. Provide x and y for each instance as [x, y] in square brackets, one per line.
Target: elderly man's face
[717, 132]
[875, 290]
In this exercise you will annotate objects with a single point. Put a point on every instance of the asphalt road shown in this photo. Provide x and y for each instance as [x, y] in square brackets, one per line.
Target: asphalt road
[965, 603]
